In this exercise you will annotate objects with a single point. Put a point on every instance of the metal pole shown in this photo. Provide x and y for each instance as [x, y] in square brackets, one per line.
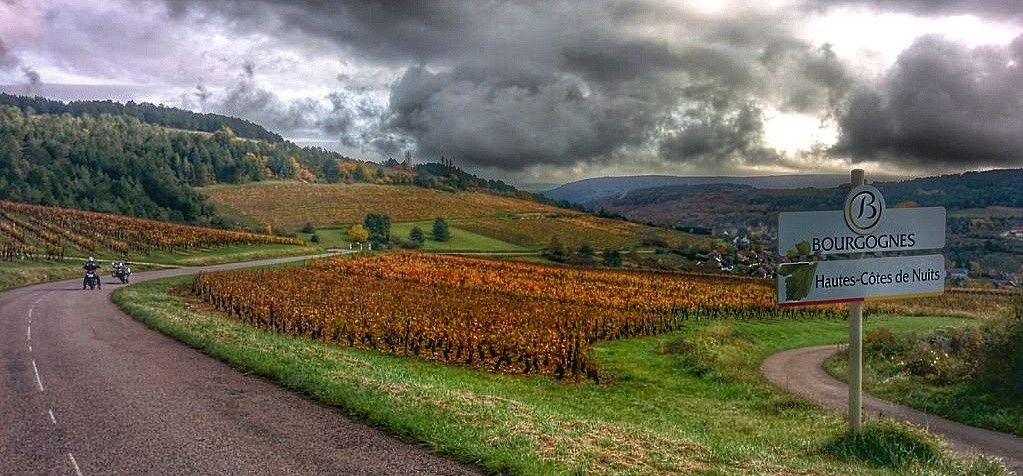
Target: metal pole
[855, 347]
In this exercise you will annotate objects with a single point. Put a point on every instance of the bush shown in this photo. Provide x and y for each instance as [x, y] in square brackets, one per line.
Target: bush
[315, 238]
[612, 258]
[308, 228]
[887, 444]
[886, 344]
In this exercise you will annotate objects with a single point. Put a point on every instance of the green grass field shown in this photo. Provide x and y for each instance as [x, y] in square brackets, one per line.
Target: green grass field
[688, 402]
[461, 240]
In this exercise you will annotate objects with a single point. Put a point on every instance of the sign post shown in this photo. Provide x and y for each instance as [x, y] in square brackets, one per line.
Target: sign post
[864, 225]
[856, 337]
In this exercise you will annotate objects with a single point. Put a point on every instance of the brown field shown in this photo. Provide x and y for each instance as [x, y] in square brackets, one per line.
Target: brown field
[292, 204]
[576, 229]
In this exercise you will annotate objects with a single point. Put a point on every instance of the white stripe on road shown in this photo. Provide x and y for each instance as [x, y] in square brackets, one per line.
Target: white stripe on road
[52, 418]
[74, 463]
[38, 380]
[30, 332]
[30, 347]
[30, 315]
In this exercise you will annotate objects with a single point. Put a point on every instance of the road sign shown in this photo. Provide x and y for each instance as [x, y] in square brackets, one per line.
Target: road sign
[863, 225]
[825, 282]
[830, 232]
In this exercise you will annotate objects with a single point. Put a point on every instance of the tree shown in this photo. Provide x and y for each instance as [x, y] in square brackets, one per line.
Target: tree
[358, 234]
[440, 230]
[308, 228]
[612, 258]
[585, 249]
[416, 235]
[379, 226]
[555, 249]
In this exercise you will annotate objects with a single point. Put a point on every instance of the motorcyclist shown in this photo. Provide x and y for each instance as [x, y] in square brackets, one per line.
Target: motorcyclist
[93, 266]
[124, 272]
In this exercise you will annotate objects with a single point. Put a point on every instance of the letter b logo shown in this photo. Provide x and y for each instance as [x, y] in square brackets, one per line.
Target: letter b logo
[864, 207]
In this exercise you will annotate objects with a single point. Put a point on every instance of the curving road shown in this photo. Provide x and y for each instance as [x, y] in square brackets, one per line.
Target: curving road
[801, 371]
[85, 390]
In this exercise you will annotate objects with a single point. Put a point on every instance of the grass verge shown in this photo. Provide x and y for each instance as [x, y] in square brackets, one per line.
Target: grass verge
[229, 254]
[655, 416]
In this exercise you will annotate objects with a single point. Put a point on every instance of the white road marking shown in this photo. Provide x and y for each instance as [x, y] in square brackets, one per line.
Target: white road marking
[53, 418]
[74, 463]
[38, 380]
[30, 332]
[30, 347]
[30, 314]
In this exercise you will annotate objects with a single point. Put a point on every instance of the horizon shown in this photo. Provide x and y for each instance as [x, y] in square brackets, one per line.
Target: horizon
[582, 90]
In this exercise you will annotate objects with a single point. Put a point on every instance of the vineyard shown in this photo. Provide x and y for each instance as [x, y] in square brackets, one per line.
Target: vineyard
[293, 204]
[575, 229]
[47, 232]
[503, 316]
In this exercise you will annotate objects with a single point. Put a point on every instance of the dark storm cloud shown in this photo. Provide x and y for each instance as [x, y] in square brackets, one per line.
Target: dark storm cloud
[516, 84]
[941, 104]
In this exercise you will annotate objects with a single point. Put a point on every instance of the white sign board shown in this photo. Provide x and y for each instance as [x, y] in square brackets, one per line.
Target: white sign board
[825, 282]
[827, 232]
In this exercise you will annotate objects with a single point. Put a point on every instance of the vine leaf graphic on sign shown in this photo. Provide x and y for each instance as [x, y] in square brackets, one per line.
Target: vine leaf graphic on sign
[798, 279]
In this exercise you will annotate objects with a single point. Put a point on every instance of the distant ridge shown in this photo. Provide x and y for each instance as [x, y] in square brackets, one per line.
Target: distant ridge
[589, 191]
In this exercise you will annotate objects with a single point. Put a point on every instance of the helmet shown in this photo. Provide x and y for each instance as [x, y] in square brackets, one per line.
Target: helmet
[92, 259]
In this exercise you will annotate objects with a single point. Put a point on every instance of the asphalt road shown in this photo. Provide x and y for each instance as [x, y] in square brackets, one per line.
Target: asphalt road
[800, 371]
[86, 390]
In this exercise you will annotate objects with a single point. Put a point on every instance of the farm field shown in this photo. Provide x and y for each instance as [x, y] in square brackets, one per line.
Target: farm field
[454, 309]
[33, 231]
[688, 401]
[293, 204]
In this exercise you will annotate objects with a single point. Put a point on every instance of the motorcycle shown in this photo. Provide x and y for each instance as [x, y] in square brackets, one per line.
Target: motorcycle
[123, 274]
[92, 280]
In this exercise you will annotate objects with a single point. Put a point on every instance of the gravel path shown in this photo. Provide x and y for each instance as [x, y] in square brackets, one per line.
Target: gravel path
[800, 371]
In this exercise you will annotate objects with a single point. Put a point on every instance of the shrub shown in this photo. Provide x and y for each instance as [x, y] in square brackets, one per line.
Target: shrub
[308, 228]
[886, 344]
[887, 444]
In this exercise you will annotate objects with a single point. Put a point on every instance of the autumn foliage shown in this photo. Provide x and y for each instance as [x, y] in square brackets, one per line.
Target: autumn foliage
[34, 230]
[503, 316]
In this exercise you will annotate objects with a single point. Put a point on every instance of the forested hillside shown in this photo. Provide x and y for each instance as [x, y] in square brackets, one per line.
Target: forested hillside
[145, 112]
[118, 163]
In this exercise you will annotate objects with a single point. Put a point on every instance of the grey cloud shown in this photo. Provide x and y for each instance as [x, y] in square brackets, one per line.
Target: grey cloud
[512, 85]
[719, 134]
[941, 104]
[994, 9]
[8, 59]
[262, 106]
[32, 76]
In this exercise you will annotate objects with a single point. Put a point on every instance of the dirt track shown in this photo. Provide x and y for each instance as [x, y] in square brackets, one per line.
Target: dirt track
[85, 389]
[800, 371]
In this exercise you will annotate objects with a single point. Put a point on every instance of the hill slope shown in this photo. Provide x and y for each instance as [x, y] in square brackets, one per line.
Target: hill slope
[589, 191]
[292, 204]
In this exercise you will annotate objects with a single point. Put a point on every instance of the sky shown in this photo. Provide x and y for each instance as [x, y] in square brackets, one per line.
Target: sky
[551, 90]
